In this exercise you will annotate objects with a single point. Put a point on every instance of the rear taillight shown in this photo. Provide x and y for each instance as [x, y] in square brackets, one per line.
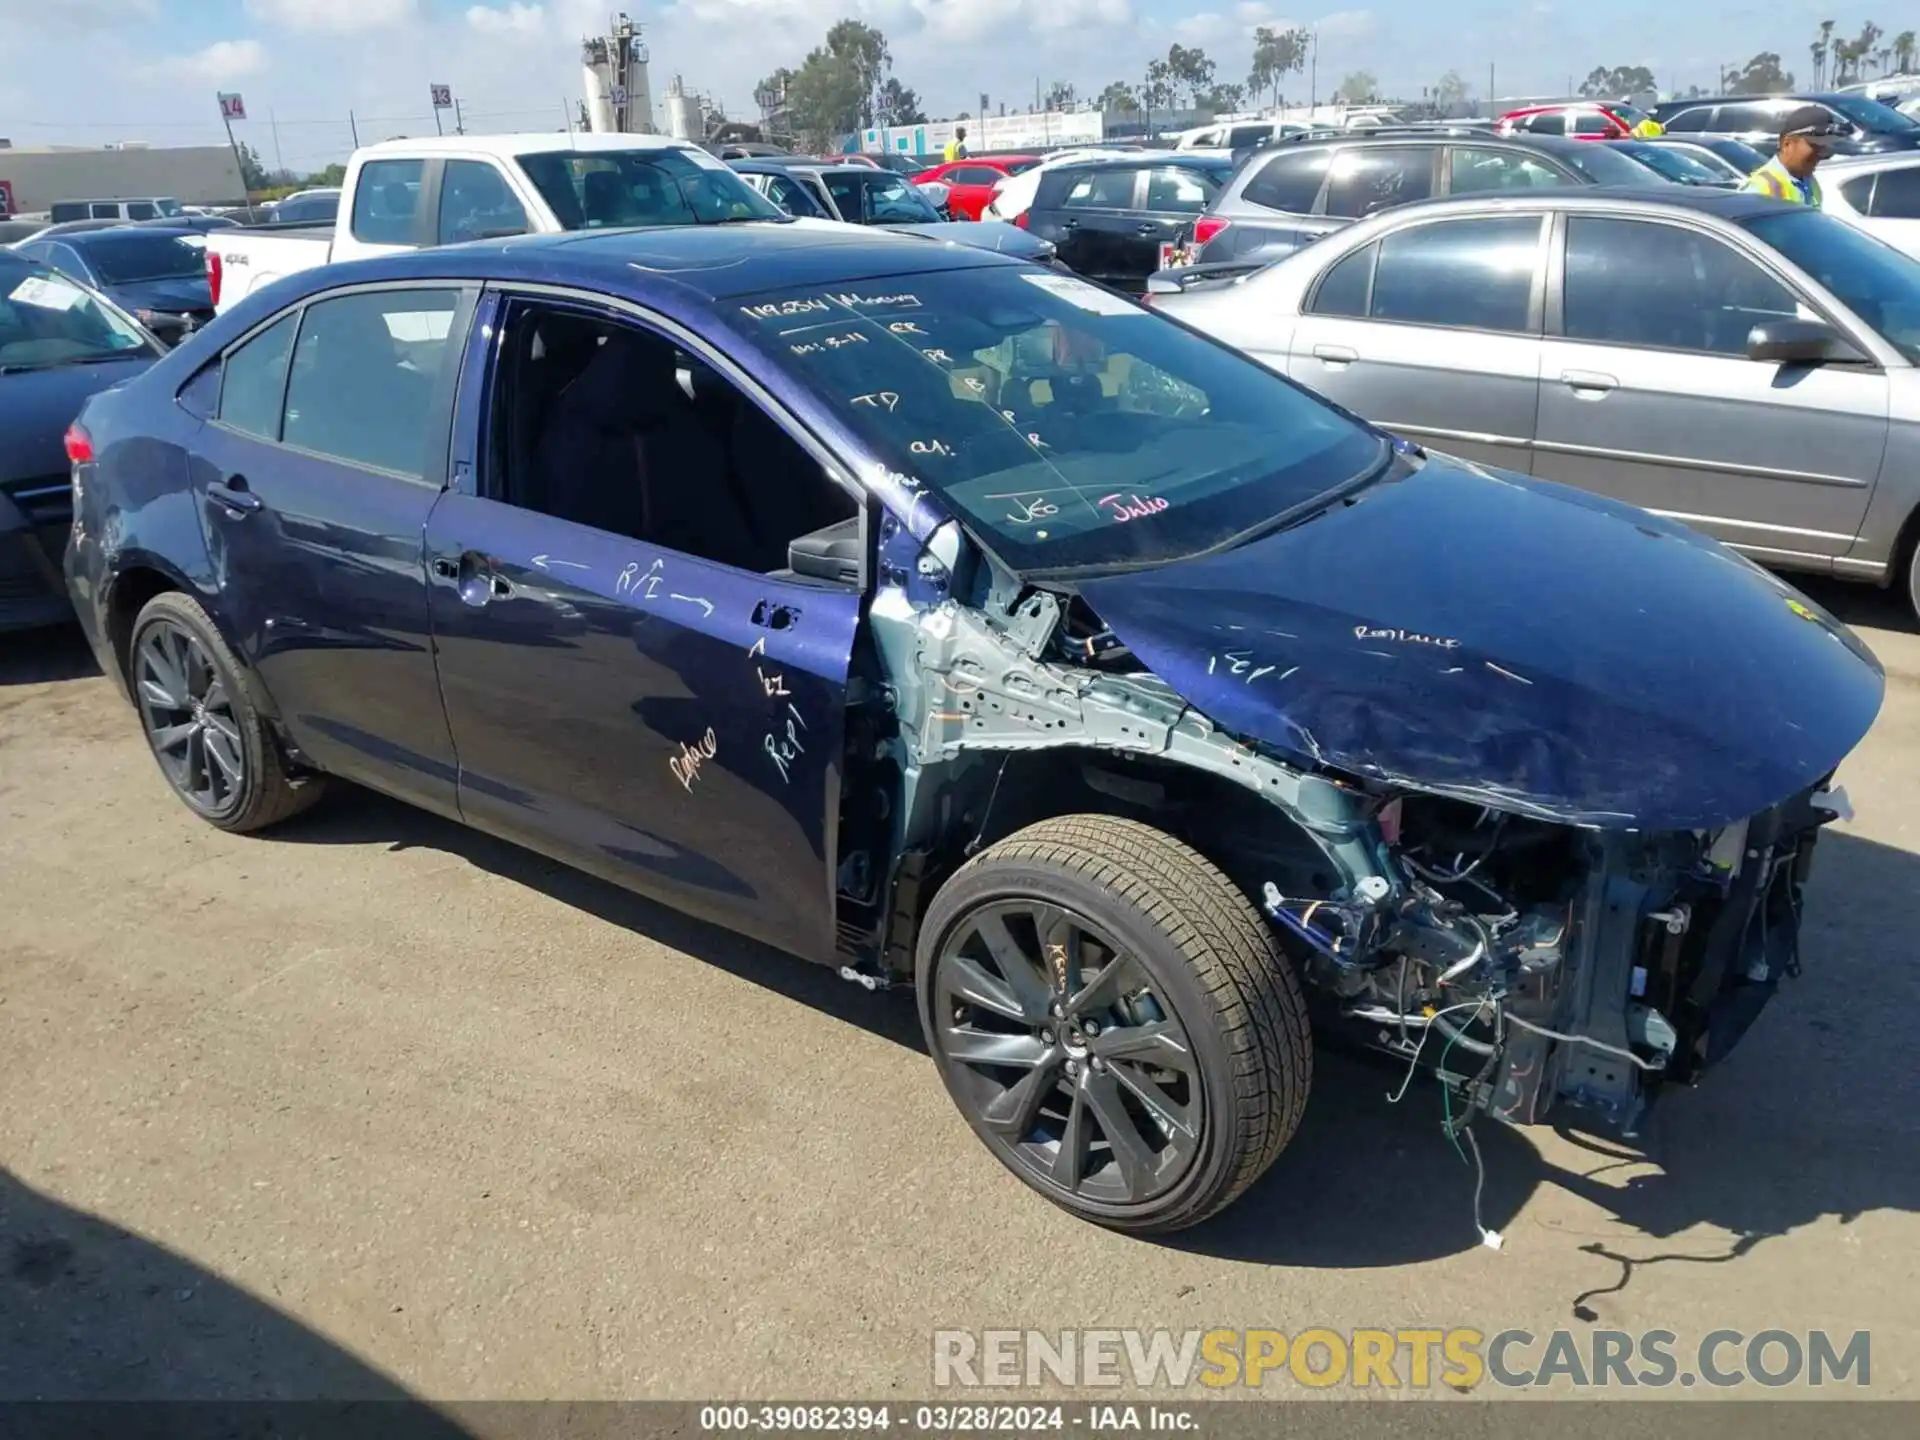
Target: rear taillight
[213, 273]
[1021, 220]
[79, 445]
[1208, 226]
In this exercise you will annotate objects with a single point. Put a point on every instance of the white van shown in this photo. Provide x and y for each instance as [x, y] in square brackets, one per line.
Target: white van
[145, 208]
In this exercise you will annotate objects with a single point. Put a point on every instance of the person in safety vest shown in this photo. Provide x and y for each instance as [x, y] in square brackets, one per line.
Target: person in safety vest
[1806, 138]
[957, 146]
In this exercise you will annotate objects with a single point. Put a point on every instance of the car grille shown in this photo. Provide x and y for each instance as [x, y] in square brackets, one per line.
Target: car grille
[43, 499]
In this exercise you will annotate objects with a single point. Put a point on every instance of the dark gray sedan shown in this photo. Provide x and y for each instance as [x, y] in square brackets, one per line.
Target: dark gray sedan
[1742, 365]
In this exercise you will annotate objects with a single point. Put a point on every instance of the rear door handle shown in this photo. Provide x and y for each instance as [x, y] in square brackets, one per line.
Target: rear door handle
[1335, 354]
[1588, 384]
[474, 579]
[233, 496]
[1149, 229]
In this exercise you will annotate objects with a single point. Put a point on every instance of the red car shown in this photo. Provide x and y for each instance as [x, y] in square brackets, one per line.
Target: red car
[1592, 121]
[970, 182]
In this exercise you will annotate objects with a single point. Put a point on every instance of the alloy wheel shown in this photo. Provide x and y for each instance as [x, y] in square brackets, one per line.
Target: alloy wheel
[1064, 1052]
[189, 719]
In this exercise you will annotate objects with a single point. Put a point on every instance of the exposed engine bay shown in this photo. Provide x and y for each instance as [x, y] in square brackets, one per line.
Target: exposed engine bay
[1528, 962]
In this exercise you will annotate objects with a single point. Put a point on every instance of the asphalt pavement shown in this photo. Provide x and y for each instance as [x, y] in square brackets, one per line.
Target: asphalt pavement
[376, 1106]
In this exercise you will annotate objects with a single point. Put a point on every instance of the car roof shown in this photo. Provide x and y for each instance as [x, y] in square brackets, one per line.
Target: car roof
[1656, 195]
[685, 263]
[538, 142]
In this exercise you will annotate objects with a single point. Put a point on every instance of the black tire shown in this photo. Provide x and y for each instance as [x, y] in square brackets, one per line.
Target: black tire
[1207, 957]
[251, 786]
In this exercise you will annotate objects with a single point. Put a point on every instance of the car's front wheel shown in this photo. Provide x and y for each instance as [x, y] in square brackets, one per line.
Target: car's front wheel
[1115, 1021]
[214, 747]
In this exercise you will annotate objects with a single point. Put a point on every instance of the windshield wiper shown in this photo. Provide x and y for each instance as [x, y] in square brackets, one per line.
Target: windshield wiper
[751, 220]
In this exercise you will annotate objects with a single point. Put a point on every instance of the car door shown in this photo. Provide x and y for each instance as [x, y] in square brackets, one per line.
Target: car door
[1269, 207]
[1891, 208]
[1432, 331]
[315, 474]
[1174, 197]
[669, 721]
[1096, 210]
[1647, 393]
[969, 188]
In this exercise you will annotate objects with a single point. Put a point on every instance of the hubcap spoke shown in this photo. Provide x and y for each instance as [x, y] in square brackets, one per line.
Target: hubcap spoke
[1161, 1043]
[161, 680]
[1132, 1156]
[1104, 990]
[169, 738]
[1023, 975]
[215, 696]
[1175, 1120]
[220, 751]
[1070, 1162]
[984, 1047]
[966, 980]
[1014, 1110]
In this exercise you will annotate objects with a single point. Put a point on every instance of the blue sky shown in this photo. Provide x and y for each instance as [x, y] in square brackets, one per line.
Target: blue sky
[95, 70]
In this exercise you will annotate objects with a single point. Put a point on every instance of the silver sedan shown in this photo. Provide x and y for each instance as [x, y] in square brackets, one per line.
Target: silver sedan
[1742, 365]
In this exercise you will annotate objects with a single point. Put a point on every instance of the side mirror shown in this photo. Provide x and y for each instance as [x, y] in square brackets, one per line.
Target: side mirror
[1802, 342]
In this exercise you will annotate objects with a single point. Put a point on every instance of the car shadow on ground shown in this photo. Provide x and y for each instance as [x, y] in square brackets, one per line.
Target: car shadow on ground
[41, 657]
[1810, 1117]
[1861, 606]
[92, 1312]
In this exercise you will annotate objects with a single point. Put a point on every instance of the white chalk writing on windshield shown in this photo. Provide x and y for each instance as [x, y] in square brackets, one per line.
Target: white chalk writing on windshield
[879, 398]
[777, 308]
[1025, 512]
[873, 302]
[1130, 507]
[930, 447]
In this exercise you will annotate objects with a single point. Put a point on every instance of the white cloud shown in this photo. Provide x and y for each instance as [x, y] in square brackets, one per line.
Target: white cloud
[513, 20]
[220, 63]
[341, 17]
[1344, 25]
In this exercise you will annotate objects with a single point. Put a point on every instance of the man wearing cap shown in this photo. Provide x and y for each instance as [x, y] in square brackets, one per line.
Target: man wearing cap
[1806, 138]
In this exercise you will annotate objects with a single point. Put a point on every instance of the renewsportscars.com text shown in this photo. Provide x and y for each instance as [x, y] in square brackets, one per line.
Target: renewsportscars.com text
[1460, 1359]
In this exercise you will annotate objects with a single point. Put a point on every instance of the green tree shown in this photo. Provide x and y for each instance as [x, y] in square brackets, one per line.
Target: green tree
[841, 86]
[1118, 99]
[1276, 55]
[1761, 75]
[1222, 99]
[1903, 51]
[1620, 80]
[1060, 96]
[335, 175]
[1822, 52]
[1357, 87]
[1189, 69]
[771, 93]
[1850, 56]
[1449, 93]
[898, 105]
[1158, 92]
[252, 173]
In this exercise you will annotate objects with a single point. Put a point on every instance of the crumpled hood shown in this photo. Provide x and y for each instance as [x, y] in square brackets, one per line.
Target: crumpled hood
[1514, 643]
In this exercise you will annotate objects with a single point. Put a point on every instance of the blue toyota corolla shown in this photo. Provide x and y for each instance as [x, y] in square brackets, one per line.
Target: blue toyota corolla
[955, 623]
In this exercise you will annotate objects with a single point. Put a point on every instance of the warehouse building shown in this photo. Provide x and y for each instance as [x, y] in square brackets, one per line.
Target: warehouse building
[39, 175]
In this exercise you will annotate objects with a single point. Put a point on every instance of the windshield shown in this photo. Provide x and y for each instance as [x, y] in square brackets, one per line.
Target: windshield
[613, 188]
[1675, 165]
[1875, 281]
[878, 197]
[1632, 114]
[1605, 165]
[46, 320]
[1872, 115]
[132, 258]
[168, 207]
[1073, 429]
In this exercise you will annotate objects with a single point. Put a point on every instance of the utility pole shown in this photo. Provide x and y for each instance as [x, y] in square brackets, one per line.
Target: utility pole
[1313, 74]
[436, 121]
[227, 120]
[354, 126]
[278, 163]
[1490, 87]
[459, 125]
[566, 114]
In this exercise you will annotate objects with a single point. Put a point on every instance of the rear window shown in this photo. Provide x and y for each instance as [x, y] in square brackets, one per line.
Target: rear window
[605, 189]
[47, 321]
[1072, 428]
[1288, 183]
[1110, 187]
[130, 258]
[386, 202]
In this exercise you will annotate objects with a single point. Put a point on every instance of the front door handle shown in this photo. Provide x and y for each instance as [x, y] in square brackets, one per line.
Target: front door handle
[1588, 384]
[1335, 355]
[1148, 229]
[474, 579]
[233, 496]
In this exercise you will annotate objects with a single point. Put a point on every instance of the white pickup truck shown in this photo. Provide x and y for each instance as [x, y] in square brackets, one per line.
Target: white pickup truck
[405, 194]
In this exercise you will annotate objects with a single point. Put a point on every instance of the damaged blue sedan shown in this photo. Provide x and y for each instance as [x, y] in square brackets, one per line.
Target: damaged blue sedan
[954, 623]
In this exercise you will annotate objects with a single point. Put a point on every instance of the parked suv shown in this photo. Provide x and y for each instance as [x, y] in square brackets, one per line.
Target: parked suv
[1871, 126]
[1116, 219]
[1290, 195]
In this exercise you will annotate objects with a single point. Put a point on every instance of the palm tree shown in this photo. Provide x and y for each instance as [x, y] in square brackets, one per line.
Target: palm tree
[1822, 51]
[1903, 47]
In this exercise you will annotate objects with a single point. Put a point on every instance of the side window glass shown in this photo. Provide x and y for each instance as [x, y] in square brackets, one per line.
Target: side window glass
[1552, 124]
[612, 426]
[1633, 282]
[1859, 193]
[1367, 181]
[1471, 170]
[1174, 190]
[1897, 196]
[1738, 119]
[386, 201]
[1689, 122]
[1247, 135]
[972, 175]
[1476, 274]
[253, 379]
[1589, 122]
[141, 210]
[1108, 188]
[363, 380]
[475, 203]
[1343, 289]
[105, 210]
[1288, 183]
